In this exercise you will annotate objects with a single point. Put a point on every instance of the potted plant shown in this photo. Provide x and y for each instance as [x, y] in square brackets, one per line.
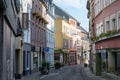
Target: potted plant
[45, 67]
[57, 65]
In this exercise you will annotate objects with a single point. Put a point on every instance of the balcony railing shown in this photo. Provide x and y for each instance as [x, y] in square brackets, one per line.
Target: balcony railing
[39, 16]
[108, 34]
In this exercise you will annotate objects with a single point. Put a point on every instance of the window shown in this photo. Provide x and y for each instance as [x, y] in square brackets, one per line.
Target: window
[111, 1]
[65, 43]
[96, 30]
[113, 24]
[98, 7]
[107, 25]
[64, 29]
[70, 31]
[67, 30]
[95, 8]
[101, 28]
[101, 4]
[106, 3]
[119, 22]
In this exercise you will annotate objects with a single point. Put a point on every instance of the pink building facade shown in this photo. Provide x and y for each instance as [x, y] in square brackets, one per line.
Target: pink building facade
[105, 27]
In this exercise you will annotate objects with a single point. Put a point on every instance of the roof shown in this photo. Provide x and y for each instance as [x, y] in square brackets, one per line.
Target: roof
[60, 13]
[83, 30]
[49, 1]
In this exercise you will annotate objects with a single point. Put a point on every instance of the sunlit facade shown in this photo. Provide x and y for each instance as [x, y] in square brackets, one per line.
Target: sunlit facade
[104, 27]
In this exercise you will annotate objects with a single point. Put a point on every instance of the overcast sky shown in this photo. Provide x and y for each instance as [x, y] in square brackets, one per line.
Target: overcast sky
[76, 8]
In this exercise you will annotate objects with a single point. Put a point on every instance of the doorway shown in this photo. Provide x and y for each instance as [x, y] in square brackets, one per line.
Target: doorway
[98, 64]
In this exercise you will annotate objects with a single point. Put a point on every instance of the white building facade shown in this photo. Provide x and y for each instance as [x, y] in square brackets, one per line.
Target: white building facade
[50, 41]
[26, 24]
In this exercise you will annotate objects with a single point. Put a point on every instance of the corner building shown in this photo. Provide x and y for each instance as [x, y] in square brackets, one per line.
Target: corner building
[106, 28]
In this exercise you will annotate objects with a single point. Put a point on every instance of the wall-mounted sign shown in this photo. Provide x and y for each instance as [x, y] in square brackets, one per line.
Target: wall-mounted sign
[46, 49]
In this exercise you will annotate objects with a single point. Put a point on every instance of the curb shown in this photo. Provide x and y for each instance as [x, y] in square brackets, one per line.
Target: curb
[110, 76]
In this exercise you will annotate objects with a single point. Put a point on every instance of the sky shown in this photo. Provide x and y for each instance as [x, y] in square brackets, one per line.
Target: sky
[77, 9]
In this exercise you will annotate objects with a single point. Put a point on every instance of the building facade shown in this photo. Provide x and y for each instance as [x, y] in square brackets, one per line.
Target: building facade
[10, 33]
[73, 41]
[50, 40]
[104, 21]
[67, 38]
[38, 33]
[60, 39]
[85, 47]
[78, 36]
[90, 15]
[26, 25]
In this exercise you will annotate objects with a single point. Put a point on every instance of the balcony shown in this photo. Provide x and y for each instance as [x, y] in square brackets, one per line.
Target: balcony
[107, 35]
[40, 17]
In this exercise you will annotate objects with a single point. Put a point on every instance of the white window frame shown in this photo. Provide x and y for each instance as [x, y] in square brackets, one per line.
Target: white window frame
[101, 5]
[97, 30]
[105, 5]
[106, 19]
[101, 27]
[96, 7]
[111, 18]
[111, 1]
[118, 20]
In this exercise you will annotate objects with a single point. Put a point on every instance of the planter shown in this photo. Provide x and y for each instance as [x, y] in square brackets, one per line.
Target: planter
[57, 65]
[45, 68]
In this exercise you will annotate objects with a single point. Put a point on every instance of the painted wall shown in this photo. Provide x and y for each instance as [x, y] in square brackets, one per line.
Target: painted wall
[26, 8]
[50, 40]
[58, 34]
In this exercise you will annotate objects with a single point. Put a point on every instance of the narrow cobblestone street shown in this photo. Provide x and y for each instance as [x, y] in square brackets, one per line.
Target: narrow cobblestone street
[74, 72]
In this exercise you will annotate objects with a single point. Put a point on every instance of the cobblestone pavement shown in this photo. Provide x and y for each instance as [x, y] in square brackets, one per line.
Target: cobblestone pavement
[74, 72]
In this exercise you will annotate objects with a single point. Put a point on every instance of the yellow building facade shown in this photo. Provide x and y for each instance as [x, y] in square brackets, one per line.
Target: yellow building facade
[65, 41]
[61, 32]
[62, 39]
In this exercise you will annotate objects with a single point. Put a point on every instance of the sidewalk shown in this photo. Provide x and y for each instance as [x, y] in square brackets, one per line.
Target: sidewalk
[33, 76]
[89, 75]
[110, 76]
[105, 76]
